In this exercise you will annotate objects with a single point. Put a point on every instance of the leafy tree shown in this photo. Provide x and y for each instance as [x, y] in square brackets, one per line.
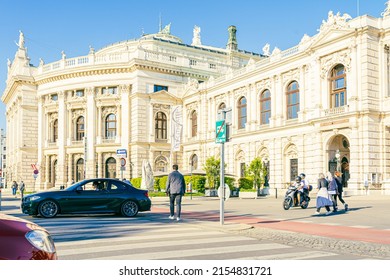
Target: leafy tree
[212, 168]
[257, 172]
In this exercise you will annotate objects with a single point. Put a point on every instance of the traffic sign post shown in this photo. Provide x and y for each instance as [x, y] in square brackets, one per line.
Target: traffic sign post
[220, 138]
[123, 164]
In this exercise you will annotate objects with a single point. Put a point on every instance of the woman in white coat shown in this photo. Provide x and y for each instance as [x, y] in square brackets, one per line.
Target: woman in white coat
[323, 198]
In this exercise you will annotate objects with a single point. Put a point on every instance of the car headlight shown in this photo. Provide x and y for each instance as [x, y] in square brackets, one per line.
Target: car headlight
[41, 240]
[34, 197]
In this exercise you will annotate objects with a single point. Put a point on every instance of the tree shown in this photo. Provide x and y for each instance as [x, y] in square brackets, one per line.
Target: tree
[212, 168]
[257, 172]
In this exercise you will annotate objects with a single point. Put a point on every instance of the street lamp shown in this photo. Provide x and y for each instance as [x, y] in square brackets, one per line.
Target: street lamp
[337, 155]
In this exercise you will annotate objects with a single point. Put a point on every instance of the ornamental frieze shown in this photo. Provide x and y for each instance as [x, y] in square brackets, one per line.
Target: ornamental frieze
[291, 75]
[108, 110]
[240, 92]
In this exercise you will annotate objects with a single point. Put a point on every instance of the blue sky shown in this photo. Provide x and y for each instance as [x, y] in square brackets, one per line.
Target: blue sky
[52, 26]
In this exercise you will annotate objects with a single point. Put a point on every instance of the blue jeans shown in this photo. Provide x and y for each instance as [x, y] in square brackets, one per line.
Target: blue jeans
[172, 199]
[13, 191]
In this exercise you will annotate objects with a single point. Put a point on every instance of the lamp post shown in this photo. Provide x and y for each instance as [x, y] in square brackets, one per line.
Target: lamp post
[190, 183]
[337, 155]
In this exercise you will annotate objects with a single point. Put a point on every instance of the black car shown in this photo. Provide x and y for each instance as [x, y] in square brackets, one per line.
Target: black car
[89, 196]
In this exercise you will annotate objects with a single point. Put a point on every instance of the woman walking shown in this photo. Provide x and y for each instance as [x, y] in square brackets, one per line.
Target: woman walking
[340, 190]
[323, 198]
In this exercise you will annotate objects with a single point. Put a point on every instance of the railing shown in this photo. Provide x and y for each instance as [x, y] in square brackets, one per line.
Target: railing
[336, 110]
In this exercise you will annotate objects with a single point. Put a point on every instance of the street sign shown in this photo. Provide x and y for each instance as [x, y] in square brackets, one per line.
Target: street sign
[121, 153]
[227, 192]
[220, 129]
[123, 162]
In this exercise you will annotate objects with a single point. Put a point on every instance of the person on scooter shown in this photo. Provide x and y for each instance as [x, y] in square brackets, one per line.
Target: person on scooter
[303, 191]
[299, 185]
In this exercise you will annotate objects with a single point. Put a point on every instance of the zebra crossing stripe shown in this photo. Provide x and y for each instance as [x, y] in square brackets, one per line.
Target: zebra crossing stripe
[190, 252]
[293, 256]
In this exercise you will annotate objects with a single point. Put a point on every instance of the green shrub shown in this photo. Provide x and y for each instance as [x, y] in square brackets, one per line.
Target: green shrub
[245, 183]
[136, 182]
[162, 182]
[198, 182]
[157, 186]
[231, 182]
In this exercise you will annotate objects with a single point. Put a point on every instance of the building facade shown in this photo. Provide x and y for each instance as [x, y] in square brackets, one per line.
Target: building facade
[319, 106]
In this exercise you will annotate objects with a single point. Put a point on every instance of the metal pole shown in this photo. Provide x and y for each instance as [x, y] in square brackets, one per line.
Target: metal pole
[222, 184]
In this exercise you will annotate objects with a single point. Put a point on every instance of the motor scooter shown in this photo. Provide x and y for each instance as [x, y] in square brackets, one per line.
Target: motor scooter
[291, 198]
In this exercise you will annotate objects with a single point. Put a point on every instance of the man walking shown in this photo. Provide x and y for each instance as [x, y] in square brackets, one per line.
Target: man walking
[22, 189]
[175, 190]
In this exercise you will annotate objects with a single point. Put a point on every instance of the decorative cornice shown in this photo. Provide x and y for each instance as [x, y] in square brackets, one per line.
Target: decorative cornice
[118, 70]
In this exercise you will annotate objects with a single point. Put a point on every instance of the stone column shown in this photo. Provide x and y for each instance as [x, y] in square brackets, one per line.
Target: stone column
[125, 127]
[40, 179]
[61, 180]
[90, 133]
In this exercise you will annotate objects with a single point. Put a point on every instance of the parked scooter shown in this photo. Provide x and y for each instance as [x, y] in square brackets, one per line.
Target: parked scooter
[291, 198]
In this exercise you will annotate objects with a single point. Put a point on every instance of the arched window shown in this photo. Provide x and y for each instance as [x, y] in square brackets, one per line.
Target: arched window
[55, 131]
[338, 94]
[110, 168]
[80, 170]
[160, 128]
[241, 109]
[161, 164]
[265, 107]
[194, 123]
[292, 96]
[80, 128]
[194, 162]
[110, 126]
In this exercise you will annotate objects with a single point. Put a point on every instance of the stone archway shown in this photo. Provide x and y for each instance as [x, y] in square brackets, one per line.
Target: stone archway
[339, 156]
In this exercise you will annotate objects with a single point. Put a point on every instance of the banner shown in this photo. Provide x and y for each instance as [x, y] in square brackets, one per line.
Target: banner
[176, 127]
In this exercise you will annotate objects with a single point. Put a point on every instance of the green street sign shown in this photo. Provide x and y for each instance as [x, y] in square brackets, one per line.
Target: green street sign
[220, 128]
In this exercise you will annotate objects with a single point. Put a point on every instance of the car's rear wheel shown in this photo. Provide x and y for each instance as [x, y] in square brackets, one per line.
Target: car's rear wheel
[48, 209]
[129, 208]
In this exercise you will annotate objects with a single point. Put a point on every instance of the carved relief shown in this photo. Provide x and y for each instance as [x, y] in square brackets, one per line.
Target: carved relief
[293, 74]
[240, 92]
[108, 110]
[291, 151]
[264, 84]
[330, 61]
[77, 113]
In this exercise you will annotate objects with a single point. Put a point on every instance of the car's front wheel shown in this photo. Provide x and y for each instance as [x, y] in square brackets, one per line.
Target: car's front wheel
[129, 208]
[48, 209]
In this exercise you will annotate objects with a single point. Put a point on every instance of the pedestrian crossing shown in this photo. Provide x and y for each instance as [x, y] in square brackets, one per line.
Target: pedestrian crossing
[117, 238]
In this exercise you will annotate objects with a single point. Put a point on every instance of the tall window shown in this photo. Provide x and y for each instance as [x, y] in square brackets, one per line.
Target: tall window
[110, 126]
[55, 131]
[241, 109]
[265, 107]
[338, 82]
[160, 127]
[292, 100]
[80, 128]
[194, 124]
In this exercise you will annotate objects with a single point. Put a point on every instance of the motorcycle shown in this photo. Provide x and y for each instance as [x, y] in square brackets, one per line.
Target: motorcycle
[291, 198]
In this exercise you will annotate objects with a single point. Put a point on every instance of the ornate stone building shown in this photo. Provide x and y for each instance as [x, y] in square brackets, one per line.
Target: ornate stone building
[319, 106]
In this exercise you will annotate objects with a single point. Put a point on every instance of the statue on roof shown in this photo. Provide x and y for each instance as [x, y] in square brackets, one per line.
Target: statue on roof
[335, 21]
[266, 51]
[166, 29]
[20, 44]
[386, 12]
[196, 36]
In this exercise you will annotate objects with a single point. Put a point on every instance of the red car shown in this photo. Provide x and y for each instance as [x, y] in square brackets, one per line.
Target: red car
[24, 240]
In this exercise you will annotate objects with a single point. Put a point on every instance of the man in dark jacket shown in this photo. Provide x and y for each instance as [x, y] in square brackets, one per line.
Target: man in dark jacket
[175, 190]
